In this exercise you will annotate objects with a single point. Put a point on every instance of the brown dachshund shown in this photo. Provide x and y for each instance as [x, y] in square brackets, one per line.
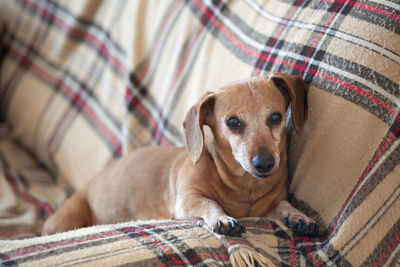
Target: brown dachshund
[239, 170]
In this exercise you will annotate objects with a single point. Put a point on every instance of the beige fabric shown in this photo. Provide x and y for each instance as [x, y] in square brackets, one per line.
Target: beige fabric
[82, 83]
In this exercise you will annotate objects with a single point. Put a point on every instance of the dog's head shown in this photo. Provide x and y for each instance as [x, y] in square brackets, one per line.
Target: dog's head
[247, 119]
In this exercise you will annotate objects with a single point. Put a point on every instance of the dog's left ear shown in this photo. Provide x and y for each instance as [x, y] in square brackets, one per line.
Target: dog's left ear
[199, 115]
[297, 89]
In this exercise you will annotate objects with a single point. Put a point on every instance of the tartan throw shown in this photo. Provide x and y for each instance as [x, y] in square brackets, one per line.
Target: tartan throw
[28, 193]
[82, 83]
[177, 243]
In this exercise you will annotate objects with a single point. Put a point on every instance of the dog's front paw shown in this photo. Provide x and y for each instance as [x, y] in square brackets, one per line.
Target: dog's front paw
[229, 226]
[300, 224]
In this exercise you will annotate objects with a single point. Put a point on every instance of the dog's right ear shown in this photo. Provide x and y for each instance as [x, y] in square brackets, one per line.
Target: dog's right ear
[199, 115]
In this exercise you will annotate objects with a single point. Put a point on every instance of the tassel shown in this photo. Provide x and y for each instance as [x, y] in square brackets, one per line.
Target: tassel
[244, 257]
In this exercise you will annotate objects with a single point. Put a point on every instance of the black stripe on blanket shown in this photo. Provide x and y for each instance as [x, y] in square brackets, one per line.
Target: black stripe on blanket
[41, 251]
[171, 250]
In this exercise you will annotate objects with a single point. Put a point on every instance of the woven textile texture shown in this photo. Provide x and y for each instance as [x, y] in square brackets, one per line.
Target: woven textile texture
[178, 243]
[84, 82]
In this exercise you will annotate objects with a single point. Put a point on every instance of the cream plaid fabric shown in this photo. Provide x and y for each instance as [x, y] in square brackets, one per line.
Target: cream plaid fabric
[83, 82]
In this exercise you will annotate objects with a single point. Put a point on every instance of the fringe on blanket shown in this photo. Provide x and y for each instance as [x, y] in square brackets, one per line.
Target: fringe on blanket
[244, 257]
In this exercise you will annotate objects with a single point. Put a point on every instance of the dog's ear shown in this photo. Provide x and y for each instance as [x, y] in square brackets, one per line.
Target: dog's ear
[296, 90]
[198, 115]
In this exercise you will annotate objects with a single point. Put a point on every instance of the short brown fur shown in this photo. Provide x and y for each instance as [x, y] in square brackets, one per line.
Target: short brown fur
[213, 178]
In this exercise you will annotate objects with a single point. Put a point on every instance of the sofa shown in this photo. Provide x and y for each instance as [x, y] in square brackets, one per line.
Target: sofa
[84, 82]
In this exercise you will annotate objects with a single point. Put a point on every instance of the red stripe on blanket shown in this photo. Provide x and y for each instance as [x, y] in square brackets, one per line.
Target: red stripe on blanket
[11, 180]
[292, 251]
[228, 34]
[157, 43]
[134, 102]
[359, 91]
[291, 241]
[307, 244]
[175, 261]
[108, 56]
[308, 247]
[320, 34]
[24, 253]
[284, 24]
[184, 60]
[209, 14]
[73, 95]
[376, 10]
[65, 243]
[140, 77]
[293, 65]
[391, 246]
[90, 38]
[176, 75]
[364, 6]
[383, 148]
[30, 48]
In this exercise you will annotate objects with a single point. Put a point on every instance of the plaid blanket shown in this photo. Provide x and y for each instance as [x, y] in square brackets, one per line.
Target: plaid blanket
[83, 82]
[178, 243]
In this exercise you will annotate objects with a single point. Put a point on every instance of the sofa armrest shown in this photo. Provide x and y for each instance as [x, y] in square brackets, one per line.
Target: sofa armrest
[151, 243]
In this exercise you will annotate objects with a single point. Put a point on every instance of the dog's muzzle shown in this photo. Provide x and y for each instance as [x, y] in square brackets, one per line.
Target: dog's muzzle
[263, 164]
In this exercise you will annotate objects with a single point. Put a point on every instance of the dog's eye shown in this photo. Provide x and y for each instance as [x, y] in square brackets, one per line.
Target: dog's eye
[233, 123]
[275, 118]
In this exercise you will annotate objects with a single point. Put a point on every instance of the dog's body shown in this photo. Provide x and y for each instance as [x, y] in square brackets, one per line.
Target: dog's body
[239, 171]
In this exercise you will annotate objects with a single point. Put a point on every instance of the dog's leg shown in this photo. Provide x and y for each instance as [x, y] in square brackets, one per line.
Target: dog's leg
[73, 214]
[190, 206]
[294, 219]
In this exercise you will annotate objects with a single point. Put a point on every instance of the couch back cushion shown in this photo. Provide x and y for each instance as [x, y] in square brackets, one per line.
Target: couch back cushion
[83, 82]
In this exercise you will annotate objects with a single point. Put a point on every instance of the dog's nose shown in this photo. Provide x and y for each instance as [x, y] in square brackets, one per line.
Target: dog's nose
[263, 163]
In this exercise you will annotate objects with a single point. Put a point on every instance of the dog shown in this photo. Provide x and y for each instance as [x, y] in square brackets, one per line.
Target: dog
[240, 170]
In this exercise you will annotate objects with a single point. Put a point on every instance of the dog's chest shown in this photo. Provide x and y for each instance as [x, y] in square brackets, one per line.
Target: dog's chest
[246, 204]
